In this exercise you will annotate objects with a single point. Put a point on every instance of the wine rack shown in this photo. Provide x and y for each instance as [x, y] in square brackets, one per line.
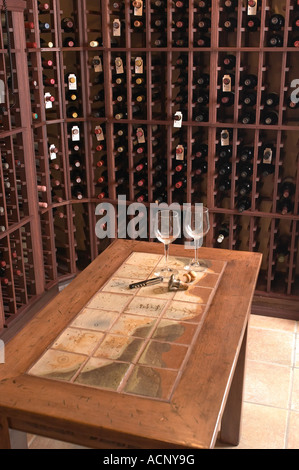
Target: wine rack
[181, 101]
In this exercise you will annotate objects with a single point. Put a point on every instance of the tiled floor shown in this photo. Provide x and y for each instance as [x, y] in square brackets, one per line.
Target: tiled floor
[271, 396]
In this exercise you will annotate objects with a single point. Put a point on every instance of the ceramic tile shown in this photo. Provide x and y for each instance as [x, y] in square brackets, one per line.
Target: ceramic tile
[159, 291]
[151, 382]
[143, 259]
[131, 271]
[108, 301]
[102, 373]
[267, 384]
[270, 346]
[174, 331]
[59, 365]
[133, 325]
[119, 285]
[122, 348]
[159, 354]
[94, 319]
[174, 262]
[146, 306]
[78, 340]
[190, 312]
[206, 280]
[194, 294]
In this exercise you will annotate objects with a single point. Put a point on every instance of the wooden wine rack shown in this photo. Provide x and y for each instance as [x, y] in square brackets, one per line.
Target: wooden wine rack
[61, 226]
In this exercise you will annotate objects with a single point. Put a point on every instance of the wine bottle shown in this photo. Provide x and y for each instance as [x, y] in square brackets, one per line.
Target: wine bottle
[248, 99]
[243, 204]
[225, 169]
[204, 6]
[230, 24]
[244, 188]
[282, 249]
[67, 24]
[203, 41]
[246, 154]
[284, 205]
[44, 26]
[276, 22]
[201, 115]
[200, 150]
[271, 100]
[224, 184]
[43, 8]
[204, 25]
[230, 5]
[287, 188]
[201, 97]
[103, 194]
[295, 41]
[47, 63]
[223, 233]
[270, 118]
[247, 118]
[200, 167]
[225, 152]
[245, 170]
[227, 98]
[249, 81]
[72, 112]
[141, 196]
[252, 24]
[69, 42]
[203, 80]
[275, 40]
[229, 62]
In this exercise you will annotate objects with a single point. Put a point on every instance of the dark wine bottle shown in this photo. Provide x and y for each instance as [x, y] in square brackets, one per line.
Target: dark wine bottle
[249, 81]
[275, 40]
[247, 118]
[229, 62]
[252, 24]
[248, 99]
[271, 100]
[230, 24]
[243, 204]
[276, 22]
[223, 233]
[284, 206]
[246, 154]
[270, 118]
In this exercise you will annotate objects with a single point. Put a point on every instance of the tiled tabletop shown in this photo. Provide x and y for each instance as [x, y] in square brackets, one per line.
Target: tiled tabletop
[133, 341]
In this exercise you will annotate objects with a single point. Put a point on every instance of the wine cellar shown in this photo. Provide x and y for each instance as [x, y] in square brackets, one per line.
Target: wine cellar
[183, 101]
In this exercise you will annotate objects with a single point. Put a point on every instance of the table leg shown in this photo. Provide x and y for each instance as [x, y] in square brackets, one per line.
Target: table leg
[4, 433]
[231, 418]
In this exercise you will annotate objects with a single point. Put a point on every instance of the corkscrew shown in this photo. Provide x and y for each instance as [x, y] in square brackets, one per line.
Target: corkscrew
[147, 282]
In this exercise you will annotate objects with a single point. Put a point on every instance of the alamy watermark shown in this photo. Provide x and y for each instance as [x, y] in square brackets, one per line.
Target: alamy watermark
[142, 224]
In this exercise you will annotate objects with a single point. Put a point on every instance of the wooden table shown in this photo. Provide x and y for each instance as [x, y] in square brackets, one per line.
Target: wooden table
[207, 397]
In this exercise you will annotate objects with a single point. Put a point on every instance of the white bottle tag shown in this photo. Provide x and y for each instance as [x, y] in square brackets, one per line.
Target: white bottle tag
[178, 119]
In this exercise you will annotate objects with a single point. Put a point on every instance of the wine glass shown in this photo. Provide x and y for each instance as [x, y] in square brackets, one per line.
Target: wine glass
[197, 225]
[167, 228]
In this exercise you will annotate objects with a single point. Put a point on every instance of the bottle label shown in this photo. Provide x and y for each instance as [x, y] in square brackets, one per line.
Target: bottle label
[138, 65]
[138, 7]
[75, 133]
[252, 7]
[119, 66]
[226, 83]
[140, 136]
[97, 64]
[99, 133]
[116, 27]
[52, 152]
[178, 119]
[267, 156]
[72, 81]
[48, 101]
[224, 137]
[179, 152]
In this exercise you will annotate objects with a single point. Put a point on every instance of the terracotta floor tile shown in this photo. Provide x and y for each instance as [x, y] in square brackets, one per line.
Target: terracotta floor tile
[267, 384]
[295, 391]
[271, 323]
[263, 427]
[293, 431]
[270, 346]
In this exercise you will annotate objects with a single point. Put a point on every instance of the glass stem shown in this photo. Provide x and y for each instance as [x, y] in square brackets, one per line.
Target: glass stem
[166, 253]
[195, 251]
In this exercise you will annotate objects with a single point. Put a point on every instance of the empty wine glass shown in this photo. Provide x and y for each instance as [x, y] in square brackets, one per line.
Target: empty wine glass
[197, 225]
[167, 228]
